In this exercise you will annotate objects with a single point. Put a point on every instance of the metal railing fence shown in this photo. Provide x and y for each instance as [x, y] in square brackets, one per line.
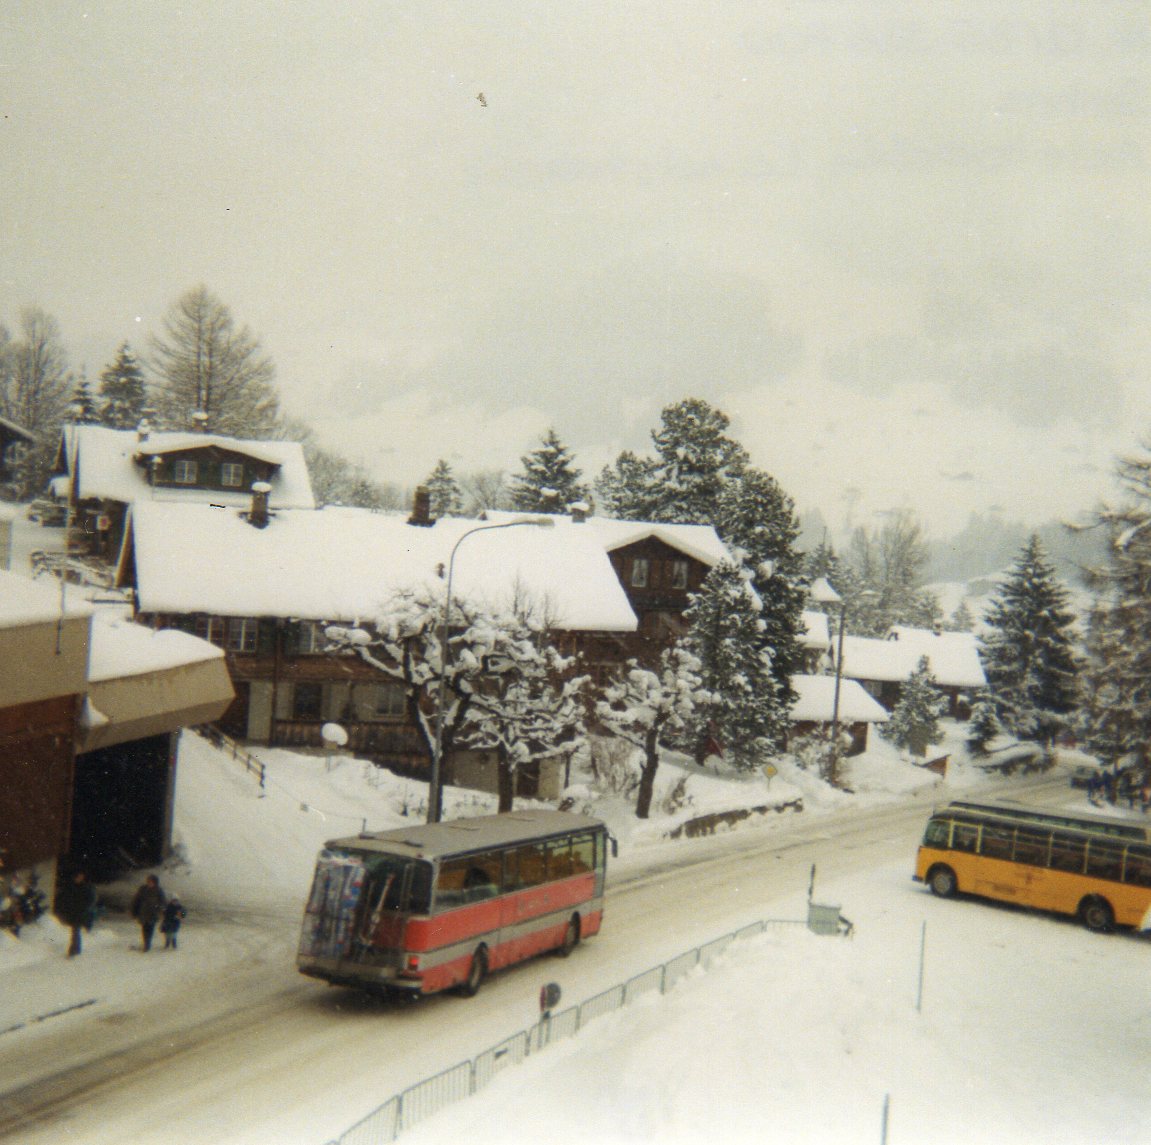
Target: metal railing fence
[429, 1096]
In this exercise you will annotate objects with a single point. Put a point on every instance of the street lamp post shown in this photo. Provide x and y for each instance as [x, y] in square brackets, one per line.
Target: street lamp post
[435, 785]
[822, 592]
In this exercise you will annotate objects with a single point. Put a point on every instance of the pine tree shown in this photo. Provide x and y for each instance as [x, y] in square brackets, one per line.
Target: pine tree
[83, 410]
[747, 710]
[1028, 650]
[914, 723]
[1116, 720]
[696, 460]
[628, 490]
[961, 619]
[983, 727]
[204, 364]
[756, 519]
[549, 481]
[122, 391]
[443, 491]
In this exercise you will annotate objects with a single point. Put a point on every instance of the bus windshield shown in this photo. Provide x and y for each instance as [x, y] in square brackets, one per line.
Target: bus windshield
[395, 881]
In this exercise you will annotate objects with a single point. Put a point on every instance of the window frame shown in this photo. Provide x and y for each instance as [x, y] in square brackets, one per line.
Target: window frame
[640, 572]
[228, 468]
[242, 634]
[185, 471]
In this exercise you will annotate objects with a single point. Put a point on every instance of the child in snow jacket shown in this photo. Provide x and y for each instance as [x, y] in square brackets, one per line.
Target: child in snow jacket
[174, 914]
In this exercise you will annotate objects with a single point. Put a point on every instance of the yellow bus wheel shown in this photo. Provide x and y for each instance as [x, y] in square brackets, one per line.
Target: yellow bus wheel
[943, 882]
[1097, 914]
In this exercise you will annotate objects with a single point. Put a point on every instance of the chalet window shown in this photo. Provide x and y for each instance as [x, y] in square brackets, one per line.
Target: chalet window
[184, 472]
[232, 475]
[640, 567]
[387, 701]
[311, 638]
[308, 700]
[679, 574]
[211, 628]
[242, 633]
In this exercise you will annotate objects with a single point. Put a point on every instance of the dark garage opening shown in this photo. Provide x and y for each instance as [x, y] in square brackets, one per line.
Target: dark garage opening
[121, 810]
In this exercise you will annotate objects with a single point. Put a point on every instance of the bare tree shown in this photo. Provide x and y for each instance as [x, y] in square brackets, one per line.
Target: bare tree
[204, 364]
[483, 490]
[35, 390]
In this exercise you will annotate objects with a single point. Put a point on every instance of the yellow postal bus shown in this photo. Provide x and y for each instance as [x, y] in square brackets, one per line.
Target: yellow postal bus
[1095, 868]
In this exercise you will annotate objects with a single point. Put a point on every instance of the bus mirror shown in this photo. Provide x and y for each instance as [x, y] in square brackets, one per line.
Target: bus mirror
[614, 846]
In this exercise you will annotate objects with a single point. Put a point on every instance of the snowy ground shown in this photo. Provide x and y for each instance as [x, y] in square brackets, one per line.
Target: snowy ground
[1031, 1030]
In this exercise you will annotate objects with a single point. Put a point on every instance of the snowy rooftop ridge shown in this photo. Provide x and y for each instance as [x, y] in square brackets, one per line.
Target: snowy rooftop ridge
[699, 541]
[952, 656]
[815, 702]
[340, 566]
[102, 461]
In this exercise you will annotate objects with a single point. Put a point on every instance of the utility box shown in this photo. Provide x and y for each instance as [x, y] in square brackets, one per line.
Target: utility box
[822, 918]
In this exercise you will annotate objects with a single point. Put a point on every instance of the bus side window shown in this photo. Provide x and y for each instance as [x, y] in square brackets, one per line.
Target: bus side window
[532, 865]
[936, 833]
[998, 841]
[483, 877]
[1032, 845]
[583, 854]
[1105, 859]
[450, 882]
[1068, 853]
[1138, 868]
[965, 837]
[559, 859]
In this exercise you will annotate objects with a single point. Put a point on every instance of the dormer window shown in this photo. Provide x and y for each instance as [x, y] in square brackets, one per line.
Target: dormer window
[232, 475]
[184, 472]
[640, 568]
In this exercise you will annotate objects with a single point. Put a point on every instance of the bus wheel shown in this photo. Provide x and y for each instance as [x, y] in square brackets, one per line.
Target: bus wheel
[1097, 914]
[943, 882]
[477, 972]
[571, 937]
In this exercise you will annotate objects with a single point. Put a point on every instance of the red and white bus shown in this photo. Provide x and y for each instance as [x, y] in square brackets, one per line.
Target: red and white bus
[435, 906]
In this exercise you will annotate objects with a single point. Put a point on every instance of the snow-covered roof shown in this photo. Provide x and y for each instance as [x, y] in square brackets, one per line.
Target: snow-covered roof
[120, 647]
[815, 701]
[24, 601]
[340, 565]
[699, 541]
[103, 461]
[815, 632]
[953, 657]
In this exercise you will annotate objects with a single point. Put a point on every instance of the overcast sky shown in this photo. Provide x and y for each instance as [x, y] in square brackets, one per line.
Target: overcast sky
[903, 245]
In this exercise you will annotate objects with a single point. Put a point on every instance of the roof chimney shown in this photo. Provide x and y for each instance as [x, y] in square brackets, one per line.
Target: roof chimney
[200, 421]
[579, 511]
[421, 507]
[259, 512]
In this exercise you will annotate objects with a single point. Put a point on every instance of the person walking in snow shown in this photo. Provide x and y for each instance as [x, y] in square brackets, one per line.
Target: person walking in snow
[174, 914]
[76, 908]
[147, 907]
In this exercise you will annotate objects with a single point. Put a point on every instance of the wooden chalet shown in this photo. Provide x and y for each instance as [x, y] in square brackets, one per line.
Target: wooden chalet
[883, 666]
[100, 472]
[282, 583]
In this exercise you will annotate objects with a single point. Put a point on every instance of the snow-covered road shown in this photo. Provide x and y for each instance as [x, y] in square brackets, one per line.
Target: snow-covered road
[209, 1061]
